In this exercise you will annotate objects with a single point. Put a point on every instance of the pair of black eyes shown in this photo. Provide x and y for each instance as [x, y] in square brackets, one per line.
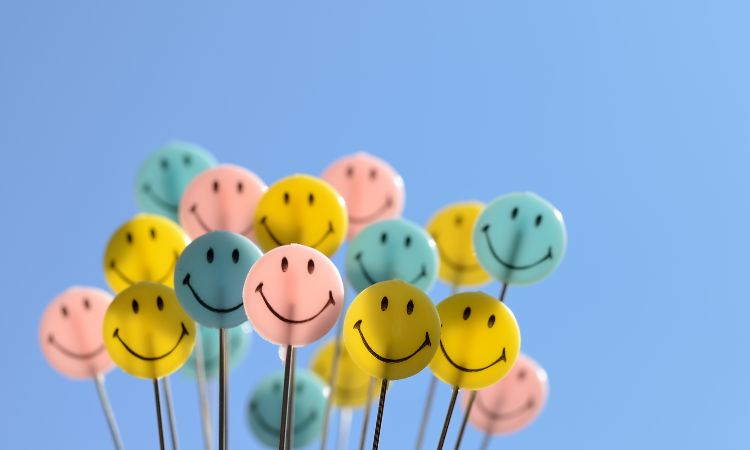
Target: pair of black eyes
[151, 232]
[86, 305]
[159, 304]
[384, 239]
[210, 255]
[310, 198]
[514, 214]
[350, 172]
[216, 186]
[490, 321]
[285, 265]
[409, 306]
[164, 162]
[277, 387]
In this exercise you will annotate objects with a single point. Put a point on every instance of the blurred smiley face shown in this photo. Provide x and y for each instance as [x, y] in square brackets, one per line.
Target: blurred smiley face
[391, 330]
[520, 238]
[513, 402]
[239, 341]
[392, 249]
[222, 198]
[293, 295]
[165, 174]
[210, 275]
[350, 390]
[371, 188]
[70, 333]
[304, 210]
[145, 248]
[146, 332]
[452, 228]
[264, 409]
[479, 341]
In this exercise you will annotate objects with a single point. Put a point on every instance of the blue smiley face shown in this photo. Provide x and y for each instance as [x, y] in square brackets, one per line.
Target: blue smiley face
[210, 275]
[165, 174]
[264, 409]
[392, 249]
[238, 345]
[520, 238]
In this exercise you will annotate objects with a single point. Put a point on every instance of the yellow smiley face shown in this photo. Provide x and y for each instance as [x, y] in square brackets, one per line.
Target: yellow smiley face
[301, 209]
[480, 341]
[452, 229]
[392, 330]
[145, 248]
[146, 331]
[350, 390]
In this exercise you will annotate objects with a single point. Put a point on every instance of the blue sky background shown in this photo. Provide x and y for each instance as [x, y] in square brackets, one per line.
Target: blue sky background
[630, 115]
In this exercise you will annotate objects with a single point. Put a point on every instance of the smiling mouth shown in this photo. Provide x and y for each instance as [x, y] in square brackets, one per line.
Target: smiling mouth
[371, 280]
[466, 369]
[512, 414]
[72, 354]
[457, 267]
[184, 333]
[158, 200]
[297, 428]
[130, 282]
[374, 215]
[206, 228]
[330, 302]
[485, 230]
[273, 237]
[186, 282]
[425, 343]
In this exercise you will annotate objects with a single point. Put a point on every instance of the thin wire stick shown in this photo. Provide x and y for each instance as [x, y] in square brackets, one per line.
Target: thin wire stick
[170, 413]
[426, 412]
[290, 412]
[285, 398]
[158, 414]
[200, 375]
[379, 420]
[448, 418]
[107, 409]
[332, 380]
[366, 418]
[503, 289]
[486, 441]
[345, 427]
[467, 413]
[223, 391]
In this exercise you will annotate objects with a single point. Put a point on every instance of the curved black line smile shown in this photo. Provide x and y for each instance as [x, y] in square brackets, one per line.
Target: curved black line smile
[504, 416]
[297, 428]
[184, 333]
[273, 237]
[330, 302]
[130, 282]
[371, 280]
[373, 215]
[72, 354]
[466, 369]
[158, 200]
[206, 228]
[508, 265]
[425, 343]
[186, 282]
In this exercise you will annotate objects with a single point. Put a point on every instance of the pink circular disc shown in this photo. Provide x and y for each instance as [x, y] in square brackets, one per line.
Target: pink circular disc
[293, 295]
[371, 188]
[222, 198]
[70, 333]
[513, 402]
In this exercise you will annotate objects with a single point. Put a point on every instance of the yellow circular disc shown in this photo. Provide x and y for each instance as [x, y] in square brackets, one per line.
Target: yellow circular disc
[350, 390]
[452, 229]
[480, 340]
[146, 331]
[392, 330]
[145, 248]
[301, 209]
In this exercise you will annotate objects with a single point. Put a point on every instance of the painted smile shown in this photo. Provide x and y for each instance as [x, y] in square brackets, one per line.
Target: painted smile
[273, 237]
[485, 230]
[371, 280]
[425, 343]
[297, 427]
[186, 282]
[374, 215]
[184, 333]
[458, 267]
[330, 302]
[158, 200]
[130, 282]
[466, 369]
[206, 228]
[72, 354]
[512, 414]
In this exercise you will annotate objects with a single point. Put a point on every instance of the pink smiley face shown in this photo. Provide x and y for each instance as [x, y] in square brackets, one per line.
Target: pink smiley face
[370, 187]
[513, 402]
[223, 198]
[70, 333]
[293, 295]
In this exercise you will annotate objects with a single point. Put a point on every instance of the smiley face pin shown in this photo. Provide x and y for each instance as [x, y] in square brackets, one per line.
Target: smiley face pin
[392, 330]
[479, 341]
[238, 345]
[165, 174]
[145, 248]
[350, 390]
[146, 331]
[304, 210]
[520, 238]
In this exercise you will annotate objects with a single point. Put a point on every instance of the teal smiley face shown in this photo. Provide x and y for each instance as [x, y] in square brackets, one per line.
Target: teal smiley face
[165, 174]
[238, 344]
[520, 238]
[264, 409]
[392, 249]
[210, 275]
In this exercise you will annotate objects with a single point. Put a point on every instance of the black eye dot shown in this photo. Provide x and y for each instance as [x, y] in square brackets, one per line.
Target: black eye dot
[86, 303]
[240, 186]
[521, 374]
[216, 186]
[164, 164]
[373, 174]
[235, 256]
[134, 304]
[458, 220]
[64, 311]
[310, 198]
[383, 237]
[300, 387]
[514, 213]
[410, 307]
[160, 303]
[152, 231]
[310, 266]
[286, 197]
[407, 241]
[384, 304]
[253, 405]
[491, 321]
[187, 160]
[277, 386]
[284, 264]
[350, 171]
[129, 237]
[210, 255]
[538, 220]
[467, 313]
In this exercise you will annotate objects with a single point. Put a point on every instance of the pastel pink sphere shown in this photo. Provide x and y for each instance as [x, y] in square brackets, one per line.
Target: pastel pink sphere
[293, 295]
[70, 333]
[222, 198]
[371, 188]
